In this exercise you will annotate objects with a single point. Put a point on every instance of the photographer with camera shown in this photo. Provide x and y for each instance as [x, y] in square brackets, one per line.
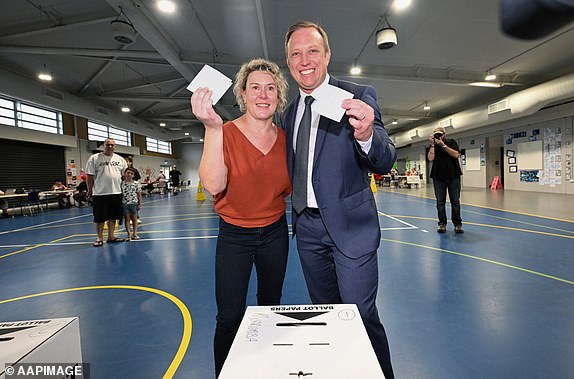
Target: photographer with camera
[446, 174]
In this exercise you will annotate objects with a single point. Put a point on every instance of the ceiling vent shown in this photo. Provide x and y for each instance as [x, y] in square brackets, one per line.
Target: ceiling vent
[445, 123]
[53, 94]
[499, 106]
[103, 110]
[123, 32]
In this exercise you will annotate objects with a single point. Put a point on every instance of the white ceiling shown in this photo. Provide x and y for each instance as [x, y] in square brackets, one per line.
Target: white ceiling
[442, 46]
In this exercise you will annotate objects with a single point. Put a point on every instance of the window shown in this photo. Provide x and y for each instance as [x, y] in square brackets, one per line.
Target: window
[99, 132]
[31, 117]
[7, 114]
[27, 116]
[158, 146]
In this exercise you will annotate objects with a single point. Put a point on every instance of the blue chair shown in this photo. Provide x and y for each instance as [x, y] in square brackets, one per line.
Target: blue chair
[32, 199]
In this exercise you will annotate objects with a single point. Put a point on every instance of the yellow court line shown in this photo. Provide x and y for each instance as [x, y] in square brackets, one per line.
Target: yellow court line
[521, 213]
[482, 260]
[176, 218]
[493, 208]
[501, 218]
[187, 324]
[494, 226]
[35, 246]
[519, 221]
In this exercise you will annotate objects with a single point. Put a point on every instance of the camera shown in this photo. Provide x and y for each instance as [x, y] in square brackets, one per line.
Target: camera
[437, 135]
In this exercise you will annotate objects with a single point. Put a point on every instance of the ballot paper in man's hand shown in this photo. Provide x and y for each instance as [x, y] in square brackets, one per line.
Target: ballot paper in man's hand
[328, 101]
[212, 79]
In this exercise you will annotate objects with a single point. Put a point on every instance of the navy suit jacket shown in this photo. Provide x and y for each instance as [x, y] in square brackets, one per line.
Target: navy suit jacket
[340, 174]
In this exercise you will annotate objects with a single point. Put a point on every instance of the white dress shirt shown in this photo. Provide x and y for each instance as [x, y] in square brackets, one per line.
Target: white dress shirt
[366, 146]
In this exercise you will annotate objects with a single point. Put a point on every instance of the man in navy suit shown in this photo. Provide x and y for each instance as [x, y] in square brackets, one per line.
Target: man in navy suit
[337, 228]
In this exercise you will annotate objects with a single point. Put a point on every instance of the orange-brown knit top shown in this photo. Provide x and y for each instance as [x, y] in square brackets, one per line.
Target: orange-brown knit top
[257, 183]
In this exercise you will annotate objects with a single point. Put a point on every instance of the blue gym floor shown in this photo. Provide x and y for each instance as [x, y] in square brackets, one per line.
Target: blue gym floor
[494, 302]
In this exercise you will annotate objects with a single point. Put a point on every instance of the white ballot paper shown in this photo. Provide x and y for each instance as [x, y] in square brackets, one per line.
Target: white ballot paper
[212, 79]
[328, 101]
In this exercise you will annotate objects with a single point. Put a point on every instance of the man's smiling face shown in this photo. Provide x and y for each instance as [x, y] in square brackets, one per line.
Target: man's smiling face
[307, 58]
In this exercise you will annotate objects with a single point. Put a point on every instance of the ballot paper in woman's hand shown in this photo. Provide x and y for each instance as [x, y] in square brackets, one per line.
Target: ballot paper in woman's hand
[212, 79]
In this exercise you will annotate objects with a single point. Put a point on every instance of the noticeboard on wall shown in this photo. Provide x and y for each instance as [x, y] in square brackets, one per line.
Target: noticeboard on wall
[530, 156]
[473, 160]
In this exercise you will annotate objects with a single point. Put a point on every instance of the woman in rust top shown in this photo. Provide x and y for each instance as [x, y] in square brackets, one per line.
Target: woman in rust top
[244, 167]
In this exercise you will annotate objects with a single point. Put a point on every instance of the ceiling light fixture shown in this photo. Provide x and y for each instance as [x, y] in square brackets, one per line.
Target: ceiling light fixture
[486, 84]
[489, 76]
[123, 31]
[386, 36]
[401, 4]
[427, 106]
[45, 75]
[395, 122]
[125, 109]
[355, 70]
[166, 6]
[162, 124]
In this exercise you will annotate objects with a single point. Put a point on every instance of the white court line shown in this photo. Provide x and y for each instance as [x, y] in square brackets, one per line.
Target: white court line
[115, 244]
[410, 226]
[44, 224]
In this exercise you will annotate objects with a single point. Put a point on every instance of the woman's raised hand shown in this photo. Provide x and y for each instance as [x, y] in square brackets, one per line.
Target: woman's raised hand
[202, 108]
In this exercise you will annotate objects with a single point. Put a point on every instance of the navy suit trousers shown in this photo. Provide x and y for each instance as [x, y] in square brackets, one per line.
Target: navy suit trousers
[333, 278]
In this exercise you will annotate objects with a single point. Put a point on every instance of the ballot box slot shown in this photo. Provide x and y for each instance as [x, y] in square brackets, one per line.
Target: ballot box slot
[298, 324]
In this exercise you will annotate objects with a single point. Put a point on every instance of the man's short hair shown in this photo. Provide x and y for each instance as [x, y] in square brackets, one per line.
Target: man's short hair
[306, 24]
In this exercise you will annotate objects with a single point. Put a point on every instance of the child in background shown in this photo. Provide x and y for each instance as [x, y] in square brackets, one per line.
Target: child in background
[131, 202]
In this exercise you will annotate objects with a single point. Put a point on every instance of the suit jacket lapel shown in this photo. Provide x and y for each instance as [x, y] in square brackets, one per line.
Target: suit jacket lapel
[290, 114]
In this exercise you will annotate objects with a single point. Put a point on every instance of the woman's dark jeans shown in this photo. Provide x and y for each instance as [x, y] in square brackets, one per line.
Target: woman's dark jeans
[237, 250]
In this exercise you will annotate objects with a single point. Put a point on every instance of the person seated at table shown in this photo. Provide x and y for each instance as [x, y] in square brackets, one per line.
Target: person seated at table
[412, 172]
[3, 206]
[148, 185]
[161, 182]
[64, 199]
[81, 195]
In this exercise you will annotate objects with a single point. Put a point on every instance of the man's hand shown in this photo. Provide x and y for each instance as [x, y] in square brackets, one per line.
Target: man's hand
[361, 117]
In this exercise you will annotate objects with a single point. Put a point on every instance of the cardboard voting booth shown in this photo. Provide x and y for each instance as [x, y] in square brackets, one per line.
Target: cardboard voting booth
[49, 342]
[302, 341]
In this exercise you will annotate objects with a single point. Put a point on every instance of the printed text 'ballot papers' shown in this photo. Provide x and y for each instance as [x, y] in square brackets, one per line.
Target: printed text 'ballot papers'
[328, 101]
[212, 79]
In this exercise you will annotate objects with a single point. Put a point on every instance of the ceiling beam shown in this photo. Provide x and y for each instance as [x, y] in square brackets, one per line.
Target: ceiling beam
[438, 76]
[58, 28]
[262, 31]
[148, 27]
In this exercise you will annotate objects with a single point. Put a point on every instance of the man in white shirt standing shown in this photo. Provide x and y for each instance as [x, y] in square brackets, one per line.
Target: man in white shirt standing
[104, 176]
